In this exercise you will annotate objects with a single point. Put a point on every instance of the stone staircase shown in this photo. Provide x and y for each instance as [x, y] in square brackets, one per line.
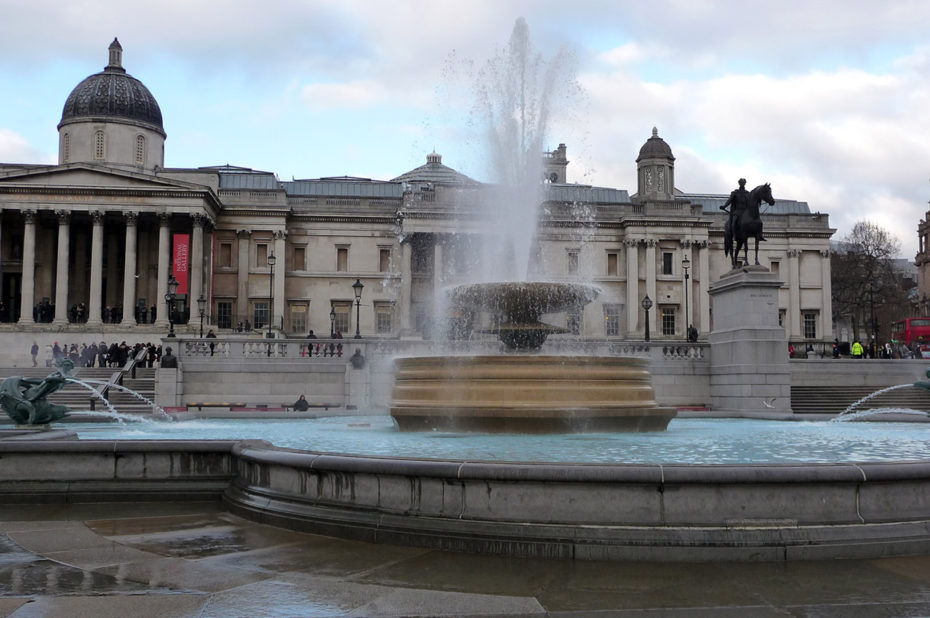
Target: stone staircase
[835, 399]
[78, 398]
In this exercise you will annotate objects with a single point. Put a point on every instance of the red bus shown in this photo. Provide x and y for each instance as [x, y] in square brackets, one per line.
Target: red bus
[912, 330]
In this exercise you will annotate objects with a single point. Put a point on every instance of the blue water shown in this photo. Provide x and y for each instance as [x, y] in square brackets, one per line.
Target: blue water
[699, 441]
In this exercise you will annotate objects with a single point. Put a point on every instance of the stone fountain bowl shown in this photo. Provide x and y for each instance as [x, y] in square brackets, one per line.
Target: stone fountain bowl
[522, 302]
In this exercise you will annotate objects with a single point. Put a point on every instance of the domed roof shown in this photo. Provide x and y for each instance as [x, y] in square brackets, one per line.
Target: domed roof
[112, 94]
[655, 148]
[435, 172]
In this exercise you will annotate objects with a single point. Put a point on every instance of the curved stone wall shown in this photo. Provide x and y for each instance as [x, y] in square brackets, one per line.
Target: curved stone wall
[590, 512]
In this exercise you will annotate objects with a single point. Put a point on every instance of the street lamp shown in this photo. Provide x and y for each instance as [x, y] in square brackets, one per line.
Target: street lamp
[685, 265]
[169, 300]
[201, 305]
[271, 261]
[647, 305]
[357, 288]
[332, 322]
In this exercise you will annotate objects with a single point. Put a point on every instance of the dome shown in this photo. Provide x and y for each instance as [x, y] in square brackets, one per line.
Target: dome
[435, 172]
[113, 95]
[655, 148]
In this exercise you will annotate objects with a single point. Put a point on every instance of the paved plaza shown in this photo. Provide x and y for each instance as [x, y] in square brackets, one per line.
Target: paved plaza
[195, 559]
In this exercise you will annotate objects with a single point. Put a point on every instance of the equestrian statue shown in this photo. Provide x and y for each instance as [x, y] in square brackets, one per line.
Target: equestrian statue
[744, 221]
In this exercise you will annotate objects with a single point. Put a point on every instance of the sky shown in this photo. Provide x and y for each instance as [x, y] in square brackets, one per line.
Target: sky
[829, 101]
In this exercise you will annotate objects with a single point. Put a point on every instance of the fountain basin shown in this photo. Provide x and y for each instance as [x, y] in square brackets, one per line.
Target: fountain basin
[526, 394]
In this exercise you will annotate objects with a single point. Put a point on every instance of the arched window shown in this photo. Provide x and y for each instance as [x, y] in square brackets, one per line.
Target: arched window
[98, 145]
[140, 149]
[66, 148]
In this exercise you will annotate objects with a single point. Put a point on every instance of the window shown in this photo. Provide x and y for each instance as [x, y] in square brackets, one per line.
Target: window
[384, 260]
[342, 259]
[612, 319]
[66, 148]
[612, 264]
[774, 267]
[668, 320]
[260, 314]
[224, 314]
[98, 145]
[261, 255]
[343, 316]
[666, 263]
[140, 149]
[224, 259]
[384, 318]
[300, 258]
[572, 262]
[299, 319]
[810, 325]
[573, 321]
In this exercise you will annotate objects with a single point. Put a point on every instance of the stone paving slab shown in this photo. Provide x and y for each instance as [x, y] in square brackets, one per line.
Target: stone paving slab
[117, 561]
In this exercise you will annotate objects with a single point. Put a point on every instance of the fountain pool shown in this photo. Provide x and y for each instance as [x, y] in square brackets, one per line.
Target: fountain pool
[687, 441]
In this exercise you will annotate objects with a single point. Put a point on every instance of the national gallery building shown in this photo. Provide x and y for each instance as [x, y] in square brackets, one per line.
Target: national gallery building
[93, 244]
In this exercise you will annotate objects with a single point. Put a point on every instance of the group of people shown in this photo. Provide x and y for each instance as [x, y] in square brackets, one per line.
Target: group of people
[887, 351]
[97, 354]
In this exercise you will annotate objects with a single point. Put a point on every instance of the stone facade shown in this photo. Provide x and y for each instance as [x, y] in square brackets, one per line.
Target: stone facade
[93, 235]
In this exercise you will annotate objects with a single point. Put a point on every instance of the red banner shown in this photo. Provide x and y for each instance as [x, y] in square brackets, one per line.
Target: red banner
[181, 253]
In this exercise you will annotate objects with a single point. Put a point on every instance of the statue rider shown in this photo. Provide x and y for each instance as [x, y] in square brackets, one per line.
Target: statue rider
[738, 202]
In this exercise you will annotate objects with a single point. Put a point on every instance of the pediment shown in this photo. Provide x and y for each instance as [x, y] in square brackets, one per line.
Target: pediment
[83, 176]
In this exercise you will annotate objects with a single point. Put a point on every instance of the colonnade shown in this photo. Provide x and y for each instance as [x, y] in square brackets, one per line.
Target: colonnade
[131, 264]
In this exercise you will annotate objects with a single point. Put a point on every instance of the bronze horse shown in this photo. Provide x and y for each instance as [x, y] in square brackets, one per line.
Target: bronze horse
[747, 224]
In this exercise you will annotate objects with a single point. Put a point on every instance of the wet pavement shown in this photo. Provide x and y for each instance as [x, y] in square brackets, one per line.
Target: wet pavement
[194, 559]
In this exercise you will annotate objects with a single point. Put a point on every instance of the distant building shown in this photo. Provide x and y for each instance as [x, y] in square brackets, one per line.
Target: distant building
[105, 229]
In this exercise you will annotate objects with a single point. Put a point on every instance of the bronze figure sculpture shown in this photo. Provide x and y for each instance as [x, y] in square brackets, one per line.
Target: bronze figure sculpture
[744, 221]
[25, 399]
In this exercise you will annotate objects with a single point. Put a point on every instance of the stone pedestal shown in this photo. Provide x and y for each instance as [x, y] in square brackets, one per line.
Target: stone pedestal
[749, 374]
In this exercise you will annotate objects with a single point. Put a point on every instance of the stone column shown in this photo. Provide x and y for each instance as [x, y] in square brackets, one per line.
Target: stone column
[793, 316]
[651, 278]
[406, 287]
[130, 269]
[632, 286]
[196, 269]
[61, 273]
[94, 307]
[437, 264]
[164, 266]
[826, 312]
[704, 287]
[242, 295]
[688, 285]
[27, 292]
[280, 306]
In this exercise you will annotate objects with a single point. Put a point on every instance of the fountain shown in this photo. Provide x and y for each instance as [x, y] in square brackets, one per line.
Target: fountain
[524, 392]
[702, 508]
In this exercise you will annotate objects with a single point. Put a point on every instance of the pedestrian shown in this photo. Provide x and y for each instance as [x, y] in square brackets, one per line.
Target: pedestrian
[35, 353]
[211, 335]
[301, 405]
[857, 349]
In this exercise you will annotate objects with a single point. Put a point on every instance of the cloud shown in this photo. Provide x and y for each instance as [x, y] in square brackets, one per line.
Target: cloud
[14, 147]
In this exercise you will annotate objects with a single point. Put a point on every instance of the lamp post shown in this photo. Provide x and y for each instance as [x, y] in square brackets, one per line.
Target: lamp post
[685, 265]
[357, 288]
[332, 322]
[271, 260]
[201, 304]
[169, 300]
[647, 305]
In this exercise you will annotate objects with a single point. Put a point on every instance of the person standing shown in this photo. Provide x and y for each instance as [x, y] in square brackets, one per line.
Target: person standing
[211, 335]
[35, 353]
[857, 349]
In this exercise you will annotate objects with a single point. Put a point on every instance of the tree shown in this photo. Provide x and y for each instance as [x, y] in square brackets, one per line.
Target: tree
[867, 288]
